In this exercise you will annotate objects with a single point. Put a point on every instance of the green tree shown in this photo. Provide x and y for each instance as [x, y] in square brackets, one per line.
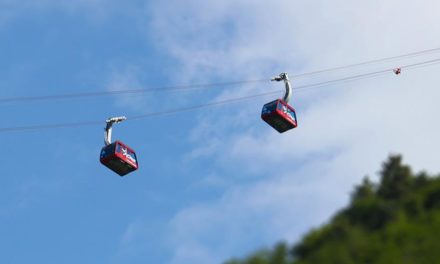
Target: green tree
[396, 221]
[395, 179]
[364, 191]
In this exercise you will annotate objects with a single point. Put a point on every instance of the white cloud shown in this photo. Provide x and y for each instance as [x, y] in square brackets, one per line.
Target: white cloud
[247, 215]
[345, 131]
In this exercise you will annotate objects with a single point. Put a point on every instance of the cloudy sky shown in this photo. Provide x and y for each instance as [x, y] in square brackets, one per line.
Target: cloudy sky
[217, 182]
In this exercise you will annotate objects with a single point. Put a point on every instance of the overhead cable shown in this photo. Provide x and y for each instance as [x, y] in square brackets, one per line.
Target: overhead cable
[152, 114]
[369, 74]
[221, 102]
[199, 86]
[408, 55]
[131, 91]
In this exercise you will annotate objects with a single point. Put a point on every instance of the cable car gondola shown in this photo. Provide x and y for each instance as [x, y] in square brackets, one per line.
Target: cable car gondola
[278, 113]
[117, 156]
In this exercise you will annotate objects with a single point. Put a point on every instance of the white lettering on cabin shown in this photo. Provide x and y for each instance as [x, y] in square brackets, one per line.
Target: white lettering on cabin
[128, 156]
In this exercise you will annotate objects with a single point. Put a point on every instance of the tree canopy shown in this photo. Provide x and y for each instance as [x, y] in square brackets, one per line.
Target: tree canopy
[394, 221]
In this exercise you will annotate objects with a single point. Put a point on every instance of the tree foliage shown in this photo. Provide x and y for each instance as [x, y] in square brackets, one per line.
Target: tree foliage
[394, 221]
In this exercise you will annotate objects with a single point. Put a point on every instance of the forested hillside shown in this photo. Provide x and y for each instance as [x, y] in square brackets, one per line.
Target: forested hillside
[394, 221]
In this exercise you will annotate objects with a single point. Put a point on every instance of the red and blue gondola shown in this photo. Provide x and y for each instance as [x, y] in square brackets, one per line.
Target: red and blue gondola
[119, 158]
[279, 115]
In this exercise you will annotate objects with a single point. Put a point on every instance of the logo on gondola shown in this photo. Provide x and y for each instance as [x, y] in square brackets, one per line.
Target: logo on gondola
[287, 112]
[128, 155]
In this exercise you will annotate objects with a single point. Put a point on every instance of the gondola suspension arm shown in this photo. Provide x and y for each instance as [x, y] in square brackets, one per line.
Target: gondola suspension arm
[284, 77]
[108, 128]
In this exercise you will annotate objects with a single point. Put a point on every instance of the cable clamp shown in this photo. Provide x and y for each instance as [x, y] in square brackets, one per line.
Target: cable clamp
[114, 120]
[282, 77]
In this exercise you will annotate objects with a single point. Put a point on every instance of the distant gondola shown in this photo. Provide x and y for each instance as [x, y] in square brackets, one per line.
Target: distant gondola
[117, 156]
[278, 113]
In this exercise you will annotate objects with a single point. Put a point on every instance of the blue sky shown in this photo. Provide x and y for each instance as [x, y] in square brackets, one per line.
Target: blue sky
[216, 182]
